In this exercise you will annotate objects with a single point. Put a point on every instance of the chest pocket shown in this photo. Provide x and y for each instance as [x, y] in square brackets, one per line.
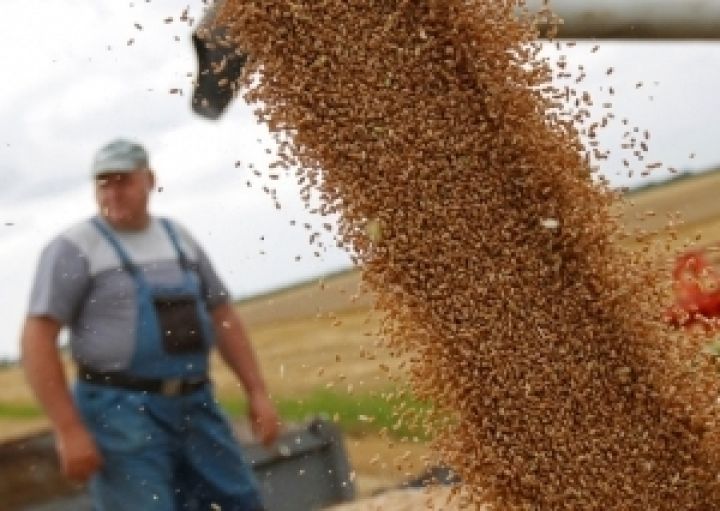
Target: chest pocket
[179, 323]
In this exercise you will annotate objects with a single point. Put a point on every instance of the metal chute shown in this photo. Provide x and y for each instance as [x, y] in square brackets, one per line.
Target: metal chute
[635, 19]
[220, 65]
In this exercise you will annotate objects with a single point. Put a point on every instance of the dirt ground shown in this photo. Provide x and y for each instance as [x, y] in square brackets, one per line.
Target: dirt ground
[429, 499]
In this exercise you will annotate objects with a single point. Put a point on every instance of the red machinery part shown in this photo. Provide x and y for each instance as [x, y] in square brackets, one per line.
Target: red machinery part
[697, 290]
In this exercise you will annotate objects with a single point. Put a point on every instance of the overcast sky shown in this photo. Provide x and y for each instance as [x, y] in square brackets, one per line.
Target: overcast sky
[71, 82]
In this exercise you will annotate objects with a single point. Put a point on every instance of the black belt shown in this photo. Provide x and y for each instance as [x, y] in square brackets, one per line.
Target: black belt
[166, 387]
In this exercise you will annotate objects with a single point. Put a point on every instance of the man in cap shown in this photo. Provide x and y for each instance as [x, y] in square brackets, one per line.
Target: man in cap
[144, 306]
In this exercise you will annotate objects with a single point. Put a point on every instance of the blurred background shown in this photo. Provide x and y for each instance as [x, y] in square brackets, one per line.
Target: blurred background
[76, 74]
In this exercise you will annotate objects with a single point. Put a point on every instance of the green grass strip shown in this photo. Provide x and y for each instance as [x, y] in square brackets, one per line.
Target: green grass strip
[356, 414]
[19, 411]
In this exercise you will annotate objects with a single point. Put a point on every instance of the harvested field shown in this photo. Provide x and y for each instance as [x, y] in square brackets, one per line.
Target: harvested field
[334, 294]
[691, 199]
[298, 356]
[12, 428]
[694, 198]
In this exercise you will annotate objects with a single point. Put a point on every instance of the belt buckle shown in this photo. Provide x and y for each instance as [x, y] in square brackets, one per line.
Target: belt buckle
[171, 387]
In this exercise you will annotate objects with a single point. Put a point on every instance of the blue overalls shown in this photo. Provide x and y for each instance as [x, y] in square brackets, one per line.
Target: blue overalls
[166, 449]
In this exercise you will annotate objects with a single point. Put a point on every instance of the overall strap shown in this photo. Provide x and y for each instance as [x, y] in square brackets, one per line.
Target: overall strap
[182, 258]
[127, 263]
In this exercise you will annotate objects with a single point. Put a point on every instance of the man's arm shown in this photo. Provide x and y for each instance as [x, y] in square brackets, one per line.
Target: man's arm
[46, 376]
[236, 350]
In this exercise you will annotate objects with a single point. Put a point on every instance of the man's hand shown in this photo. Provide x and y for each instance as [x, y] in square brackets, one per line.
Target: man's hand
[237, 352]
[45, 373]
[263, 418]
[79, 456]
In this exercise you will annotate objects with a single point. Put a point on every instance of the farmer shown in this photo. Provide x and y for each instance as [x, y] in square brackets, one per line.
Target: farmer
[144, 306]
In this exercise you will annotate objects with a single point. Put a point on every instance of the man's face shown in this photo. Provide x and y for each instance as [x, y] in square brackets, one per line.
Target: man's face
[122, 198]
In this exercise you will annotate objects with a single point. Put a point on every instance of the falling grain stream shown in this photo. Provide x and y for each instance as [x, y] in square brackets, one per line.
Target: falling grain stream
[464, 193]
